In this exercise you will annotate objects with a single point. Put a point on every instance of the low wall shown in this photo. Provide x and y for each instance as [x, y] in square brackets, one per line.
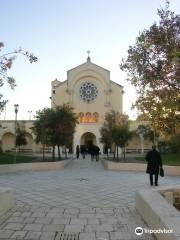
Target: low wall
[138, 167]
[6, 200]
[158, 213]
[41, 166]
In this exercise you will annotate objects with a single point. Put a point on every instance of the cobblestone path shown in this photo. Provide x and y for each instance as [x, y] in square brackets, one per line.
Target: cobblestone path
[83, 198]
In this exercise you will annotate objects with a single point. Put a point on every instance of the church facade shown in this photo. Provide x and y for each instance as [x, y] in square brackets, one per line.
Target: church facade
[91, 92]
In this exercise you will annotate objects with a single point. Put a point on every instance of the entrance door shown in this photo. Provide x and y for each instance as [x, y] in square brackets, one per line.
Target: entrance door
[88, 139]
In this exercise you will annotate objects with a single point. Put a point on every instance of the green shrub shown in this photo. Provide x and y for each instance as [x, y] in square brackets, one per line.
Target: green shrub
[162, 146]
[174, 143]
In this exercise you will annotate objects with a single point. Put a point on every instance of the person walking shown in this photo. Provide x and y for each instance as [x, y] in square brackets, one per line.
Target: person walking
[77, 151]
[96, 152]
[91, 151]
[154, 162]
[83, 151]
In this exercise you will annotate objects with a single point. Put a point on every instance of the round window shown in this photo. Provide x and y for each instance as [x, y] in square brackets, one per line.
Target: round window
[88, 92]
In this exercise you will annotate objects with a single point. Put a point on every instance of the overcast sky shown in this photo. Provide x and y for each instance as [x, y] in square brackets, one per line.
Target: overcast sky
[59, 33]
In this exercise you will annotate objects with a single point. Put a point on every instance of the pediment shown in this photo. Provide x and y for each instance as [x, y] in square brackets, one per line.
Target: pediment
[87, 69]
[87, 65]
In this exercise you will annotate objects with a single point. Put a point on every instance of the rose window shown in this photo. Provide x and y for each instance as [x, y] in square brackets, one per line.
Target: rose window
[88, 92]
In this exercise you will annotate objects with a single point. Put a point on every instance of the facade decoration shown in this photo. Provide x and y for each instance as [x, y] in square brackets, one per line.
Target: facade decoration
[88, 117]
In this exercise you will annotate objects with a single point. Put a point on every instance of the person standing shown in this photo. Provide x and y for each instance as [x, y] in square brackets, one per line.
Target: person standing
[77, 151]
[154, 162]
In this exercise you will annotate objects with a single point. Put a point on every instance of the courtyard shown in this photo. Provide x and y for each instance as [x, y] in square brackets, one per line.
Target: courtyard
[83, 199]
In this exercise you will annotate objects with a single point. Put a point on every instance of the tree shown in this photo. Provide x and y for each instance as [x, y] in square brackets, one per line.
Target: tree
[153, 67]
[20, 136]
[55, 127]
[121, 135]
[106, 138]
[41, 128]
[6, 61]
[148, 133]
[106, 130]
[115, 130]
[63, 126]
[174, 143]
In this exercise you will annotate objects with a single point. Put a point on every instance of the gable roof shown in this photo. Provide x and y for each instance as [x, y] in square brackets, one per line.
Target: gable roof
[88, 63]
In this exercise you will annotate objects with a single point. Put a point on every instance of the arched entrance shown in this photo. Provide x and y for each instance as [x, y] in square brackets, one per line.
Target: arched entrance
[8, 141]
[88, 139]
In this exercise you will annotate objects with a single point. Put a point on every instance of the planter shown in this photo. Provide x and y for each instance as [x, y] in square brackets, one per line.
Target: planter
[40, 166]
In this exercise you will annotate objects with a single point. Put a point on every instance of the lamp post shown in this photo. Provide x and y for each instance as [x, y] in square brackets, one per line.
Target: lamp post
[16, 108]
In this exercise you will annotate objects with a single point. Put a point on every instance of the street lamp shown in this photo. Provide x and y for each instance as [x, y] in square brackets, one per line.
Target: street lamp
[16, 108]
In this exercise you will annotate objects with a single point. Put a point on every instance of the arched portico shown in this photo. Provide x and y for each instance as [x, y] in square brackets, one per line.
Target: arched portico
[88, 138]
[8, 141]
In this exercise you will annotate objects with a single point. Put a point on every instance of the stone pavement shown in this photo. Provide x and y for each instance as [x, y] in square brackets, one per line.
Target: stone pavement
[83, 199]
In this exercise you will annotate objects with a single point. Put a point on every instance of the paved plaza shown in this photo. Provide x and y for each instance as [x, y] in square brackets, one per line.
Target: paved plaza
[83, 199]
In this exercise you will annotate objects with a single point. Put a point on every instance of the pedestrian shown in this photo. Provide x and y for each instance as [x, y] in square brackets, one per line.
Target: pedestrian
[154, 163]
[96, 152]
[77, 151]
[91, 151]
[83, 151]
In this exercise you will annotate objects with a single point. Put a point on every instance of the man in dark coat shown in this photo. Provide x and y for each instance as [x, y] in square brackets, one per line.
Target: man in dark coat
[83, 151]
[96, 152]
[153, 158]
[77, 151]
[91, 151]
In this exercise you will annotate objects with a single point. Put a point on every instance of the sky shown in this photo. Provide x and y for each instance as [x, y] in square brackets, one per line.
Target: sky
[59, 33]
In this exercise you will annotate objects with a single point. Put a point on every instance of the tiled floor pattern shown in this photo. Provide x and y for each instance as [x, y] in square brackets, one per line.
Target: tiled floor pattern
[83, 199]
